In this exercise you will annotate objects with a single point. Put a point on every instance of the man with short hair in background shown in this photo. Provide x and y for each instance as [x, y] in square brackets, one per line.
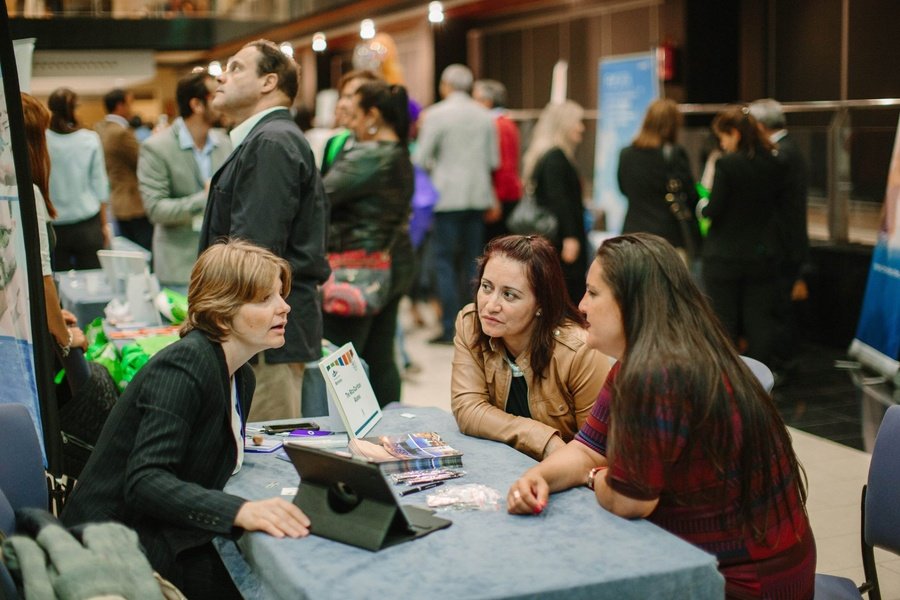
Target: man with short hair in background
[457, 145]
[174, 171]
[120, 149]
[791, 223]
[269, 192]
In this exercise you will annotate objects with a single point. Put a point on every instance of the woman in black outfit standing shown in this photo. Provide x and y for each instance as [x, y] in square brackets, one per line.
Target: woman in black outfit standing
[649, 169]
[549, 167]
[370, 189]
[741, 252]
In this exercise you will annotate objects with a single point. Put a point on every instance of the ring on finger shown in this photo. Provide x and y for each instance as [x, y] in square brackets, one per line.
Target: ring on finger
[516, 494]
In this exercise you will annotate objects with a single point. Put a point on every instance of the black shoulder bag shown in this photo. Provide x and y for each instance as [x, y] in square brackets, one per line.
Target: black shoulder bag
[676, 198]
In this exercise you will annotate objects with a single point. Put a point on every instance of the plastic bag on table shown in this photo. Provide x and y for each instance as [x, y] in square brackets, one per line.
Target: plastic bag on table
[467, 496]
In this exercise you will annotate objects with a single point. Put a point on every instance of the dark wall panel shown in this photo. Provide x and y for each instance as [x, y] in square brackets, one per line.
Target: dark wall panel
[873, 49]
[711, 51]
[807, 50]
[546, 50]
[630, 31]
[503, 62]
[582, 64]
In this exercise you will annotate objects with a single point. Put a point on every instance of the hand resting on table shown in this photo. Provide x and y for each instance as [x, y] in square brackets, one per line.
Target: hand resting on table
[275, 516]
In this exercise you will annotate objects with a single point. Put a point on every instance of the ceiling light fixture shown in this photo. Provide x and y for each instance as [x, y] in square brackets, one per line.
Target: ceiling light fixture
[435, 12]
[318, 42]
[367, 29]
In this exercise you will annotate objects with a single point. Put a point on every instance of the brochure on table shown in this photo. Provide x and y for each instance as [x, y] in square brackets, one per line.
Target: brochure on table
[350, 391]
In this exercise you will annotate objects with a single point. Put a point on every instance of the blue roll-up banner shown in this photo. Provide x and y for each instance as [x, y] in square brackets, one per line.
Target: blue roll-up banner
[877, 343]
[627, 86]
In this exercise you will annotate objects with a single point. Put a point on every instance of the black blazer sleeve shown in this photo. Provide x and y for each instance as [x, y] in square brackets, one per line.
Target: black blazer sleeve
[184, 429]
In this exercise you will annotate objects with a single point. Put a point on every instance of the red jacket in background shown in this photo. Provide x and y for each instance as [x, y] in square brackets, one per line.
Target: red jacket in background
[507, 184]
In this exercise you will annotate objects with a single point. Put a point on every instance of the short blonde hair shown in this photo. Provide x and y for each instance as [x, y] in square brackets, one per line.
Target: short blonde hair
[225, 277]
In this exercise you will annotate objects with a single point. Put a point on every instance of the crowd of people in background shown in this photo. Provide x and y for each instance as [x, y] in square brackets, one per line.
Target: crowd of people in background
[548, 335]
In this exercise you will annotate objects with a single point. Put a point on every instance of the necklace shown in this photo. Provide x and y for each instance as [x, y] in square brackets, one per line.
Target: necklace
[516, 371]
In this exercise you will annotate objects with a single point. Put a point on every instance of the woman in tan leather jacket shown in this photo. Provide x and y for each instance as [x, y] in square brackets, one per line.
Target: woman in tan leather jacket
[522, 373]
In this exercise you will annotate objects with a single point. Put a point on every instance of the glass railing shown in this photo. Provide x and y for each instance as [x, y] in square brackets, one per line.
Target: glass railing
[847, 146]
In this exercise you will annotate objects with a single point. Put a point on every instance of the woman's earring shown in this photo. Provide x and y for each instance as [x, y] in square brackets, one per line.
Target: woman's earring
[373, 129]
[538, 313]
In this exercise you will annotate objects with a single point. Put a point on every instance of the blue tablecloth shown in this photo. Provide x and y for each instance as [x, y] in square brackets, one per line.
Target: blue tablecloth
[574, 550]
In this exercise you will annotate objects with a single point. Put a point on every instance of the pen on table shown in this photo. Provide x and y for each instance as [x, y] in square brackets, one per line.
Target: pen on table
[311, 432]
[420, 488]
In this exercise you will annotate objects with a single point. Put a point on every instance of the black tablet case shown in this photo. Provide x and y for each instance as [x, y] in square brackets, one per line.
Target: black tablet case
[348, 500]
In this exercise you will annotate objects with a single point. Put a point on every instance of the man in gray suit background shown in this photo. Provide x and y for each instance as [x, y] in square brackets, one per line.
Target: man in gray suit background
[458, 146]
[174, 170]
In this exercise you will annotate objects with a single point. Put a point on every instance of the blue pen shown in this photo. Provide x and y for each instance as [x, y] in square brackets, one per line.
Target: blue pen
[310, 432]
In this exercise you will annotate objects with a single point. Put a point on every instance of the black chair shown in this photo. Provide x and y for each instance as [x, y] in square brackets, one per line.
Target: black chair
[22, 477]
[22, 480]
[880, 516]
[762, 372]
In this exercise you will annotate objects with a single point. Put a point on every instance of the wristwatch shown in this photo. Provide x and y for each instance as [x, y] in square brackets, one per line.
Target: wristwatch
[591, 474]
[64, 350]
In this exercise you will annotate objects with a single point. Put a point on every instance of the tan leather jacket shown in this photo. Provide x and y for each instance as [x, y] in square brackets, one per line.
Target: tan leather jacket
[559, 403]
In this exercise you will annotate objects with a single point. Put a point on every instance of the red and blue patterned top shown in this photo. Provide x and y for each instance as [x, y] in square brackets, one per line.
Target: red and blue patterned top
[693, 507]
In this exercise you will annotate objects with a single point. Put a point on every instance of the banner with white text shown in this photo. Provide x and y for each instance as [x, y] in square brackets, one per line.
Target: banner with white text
[627, 86]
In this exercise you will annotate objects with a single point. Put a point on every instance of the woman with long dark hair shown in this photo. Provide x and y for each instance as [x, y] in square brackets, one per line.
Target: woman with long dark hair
[654, 172]
[370, 189]
[78, 184]
[682, 433]
[522, 373]
[742, 252]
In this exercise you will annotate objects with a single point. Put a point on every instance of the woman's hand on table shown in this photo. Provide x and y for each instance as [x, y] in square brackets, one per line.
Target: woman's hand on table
[275, 516]
[528, 495]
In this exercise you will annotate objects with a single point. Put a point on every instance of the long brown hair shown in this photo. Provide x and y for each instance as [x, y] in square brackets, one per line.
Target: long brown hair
[660, 126]
[738, 118]
[37, 119]
[62, 110]
[677, 349]
[548, 285]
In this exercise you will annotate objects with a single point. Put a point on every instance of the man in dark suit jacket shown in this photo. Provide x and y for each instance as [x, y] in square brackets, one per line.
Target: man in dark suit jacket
[792, 225]
[792, 219]
[269, 192]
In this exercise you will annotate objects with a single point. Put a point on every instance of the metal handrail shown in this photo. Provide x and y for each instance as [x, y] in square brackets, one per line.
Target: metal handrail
[799, 107]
